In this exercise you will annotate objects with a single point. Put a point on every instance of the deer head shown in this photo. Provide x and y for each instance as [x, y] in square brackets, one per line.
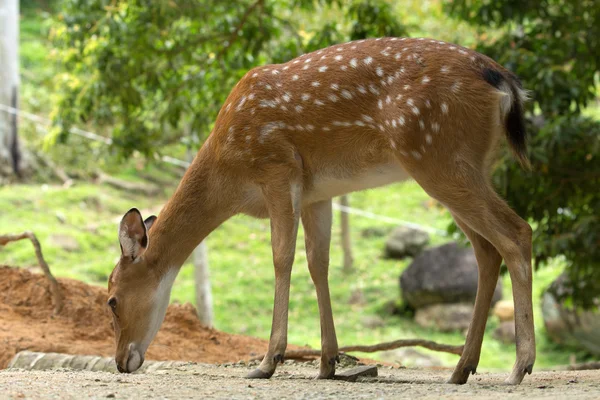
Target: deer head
[138, 294]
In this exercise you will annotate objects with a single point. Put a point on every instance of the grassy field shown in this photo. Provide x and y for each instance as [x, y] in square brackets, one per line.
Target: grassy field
[240, 255]
[241, 269]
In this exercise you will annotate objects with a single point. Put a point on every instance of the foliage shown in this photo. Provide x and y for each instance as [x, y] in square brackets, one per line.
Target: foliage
[154, 69]
[554, 48]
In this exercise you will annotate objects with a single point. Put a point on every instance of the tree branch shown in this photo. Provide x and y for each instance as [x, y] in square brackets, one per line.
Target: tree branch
[54, 287]
[428, 344]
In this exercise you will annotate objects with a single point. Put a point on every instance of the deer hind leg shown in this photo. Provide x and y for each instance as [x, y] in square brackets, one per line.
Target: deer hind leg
[316, 220]
[464, 189]
[283, 203]
[488, 261]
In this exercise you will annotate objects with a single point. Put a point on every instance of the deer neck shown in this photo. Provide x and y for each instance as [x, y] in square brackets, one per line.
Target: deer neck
[199, 205]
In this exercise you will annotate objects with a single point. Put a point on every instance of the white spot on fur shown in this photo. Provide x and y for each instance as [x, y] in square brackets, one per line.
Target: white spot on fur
[307, 60]
[338, 57]
[435, 127]
[295, 77]
[428, 138]
[361, 89]
[416, 155]
[299, 108]
[305, 96]
[319, 102]
[251, 96]
[422, 124]
[333, 97]
[286, 97]
[241, 103]
[425, 80]
[343, 67]
[353, 63]
[254, 75]
[402, 120]
[323, 68]
[379, 71]
[388, 100]
[346, 94]
[373, 89]
[428, 103]
[359, 123]
[456, 86]
[380, 104]
[335, 86]
[268, 87]
[315, 84]
[445, 69]
[367, 118]
[368, 60]
[444, 108]
[275, 72]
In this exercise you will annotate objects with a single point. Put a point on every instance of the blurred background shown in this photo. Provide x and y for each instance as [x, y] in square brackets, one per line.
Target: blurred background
[104, 102]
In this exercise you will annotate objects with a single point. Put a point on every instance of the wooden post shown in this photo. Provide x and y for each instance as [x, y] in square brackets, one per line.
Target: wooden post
[9, 86]
[204, 303]
[346, 240]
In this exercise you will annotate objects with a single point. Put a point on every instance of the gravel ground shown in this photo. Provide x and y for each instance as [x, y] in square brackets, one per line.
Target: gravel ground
[291, 381]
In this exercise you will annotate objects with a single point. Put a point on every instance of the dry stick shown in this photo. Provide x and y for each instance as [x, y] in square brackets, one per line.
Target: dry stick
[428, 344]
[54, 287]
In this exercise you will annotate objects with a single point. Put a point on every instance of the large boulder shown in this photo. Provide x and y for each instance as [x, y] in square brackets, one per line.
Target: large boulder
[445, 317]
[405, 242]
[567, 326]
[444, 274]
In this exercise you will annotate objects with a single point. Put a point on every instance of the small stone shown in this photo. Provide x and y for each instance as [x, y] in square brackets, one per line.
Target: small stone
[353, 374]
[504, 310]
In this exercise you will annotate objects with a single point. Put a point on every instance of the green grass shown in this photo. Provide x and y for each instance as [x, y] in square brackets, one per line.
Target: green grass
[241, 269]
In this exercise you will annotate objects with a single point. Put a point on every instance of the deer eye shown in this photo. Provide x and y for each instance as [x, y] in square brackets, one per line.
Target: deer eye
[112, 303]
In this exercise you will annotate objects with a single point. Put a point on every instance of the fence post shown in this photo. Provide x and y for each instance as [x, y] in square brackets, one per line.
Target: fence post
[204, 303]
[346, 240]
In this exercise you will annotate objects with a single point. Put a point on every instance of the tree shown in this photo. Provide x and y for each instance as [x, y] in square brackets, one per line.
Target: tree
[554, 47]
[9, 86]
[147, 68]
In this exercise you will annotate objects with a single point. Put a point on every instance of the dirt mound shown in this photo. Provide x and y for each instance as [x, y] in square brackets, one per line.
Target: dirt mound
[83, 326]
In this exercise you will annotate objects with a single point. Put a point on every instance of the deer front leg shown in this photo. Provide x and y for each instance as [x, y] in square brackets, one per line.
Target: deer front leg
[316, 220]
[284, 210]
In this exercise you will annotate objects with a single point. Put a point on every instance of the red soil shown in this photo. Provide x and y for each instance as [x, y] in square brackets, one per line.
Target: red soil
[83, 326]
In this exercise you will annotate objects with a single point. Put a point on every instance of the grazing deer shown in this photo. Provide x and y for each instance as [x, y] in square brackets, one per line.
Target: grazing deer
[292, 136]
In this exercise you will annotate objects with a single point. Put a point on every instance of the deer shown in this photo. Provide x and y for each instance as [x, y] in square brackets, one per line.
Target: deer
[349, 117]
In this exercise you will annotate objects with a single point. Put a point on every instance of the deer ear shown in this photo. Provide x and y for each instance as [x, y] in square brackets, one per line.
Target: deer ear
[149, 221]
[133, 235]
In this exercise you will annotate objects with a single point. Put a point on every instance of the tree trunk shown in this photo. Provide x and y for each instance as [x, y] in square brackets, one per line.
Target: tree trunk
[346, 242]
[204, 303]
[202, 284]
[10, 156]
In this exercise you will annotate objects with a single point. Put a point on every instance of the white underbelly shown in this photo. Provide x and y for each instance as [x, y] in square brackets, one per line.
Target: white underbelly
[326, 186]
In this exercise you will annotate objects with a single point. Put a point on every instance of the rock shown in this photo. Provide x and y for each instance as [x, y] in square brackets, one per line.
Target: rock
[405, 242]
[444, 274]
[505, 310]
[374, 232]
[372, 321]
[65, 242]
[570, 327]
[505, 332]
[410, 357]
[445, 317]
[353, 374]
